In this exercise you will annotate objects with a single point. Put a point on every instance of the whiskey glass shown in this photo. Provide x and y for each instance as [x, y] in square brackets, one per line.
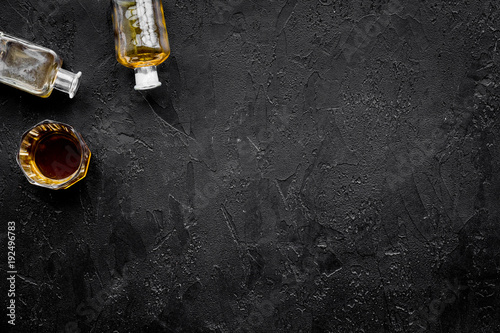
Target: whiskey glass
[53, 155]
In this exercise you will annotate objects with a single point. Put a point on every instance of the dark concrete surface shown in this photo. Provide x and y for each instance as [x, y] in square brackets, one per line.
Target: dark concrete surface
[307, 166]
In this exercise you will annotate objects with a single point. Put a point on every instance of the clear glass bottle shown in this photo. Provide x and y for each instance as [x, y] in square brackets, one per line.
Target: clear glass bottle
[141, 40]
[34, 69]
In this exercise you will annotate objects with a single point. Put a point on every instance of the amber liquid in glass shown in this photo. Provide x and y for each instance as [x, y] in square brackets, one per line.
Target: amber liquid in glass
[52, 152]
[53, 155]
[57, 155]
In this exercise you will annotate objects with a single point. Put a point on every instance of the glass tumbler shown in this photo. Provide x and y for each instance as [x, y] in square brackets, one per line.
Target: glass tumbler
[53, 155]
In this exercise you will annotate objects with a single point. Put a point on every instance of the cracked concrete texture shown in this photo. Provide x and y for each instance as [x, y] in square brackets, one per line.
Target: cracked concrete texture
[307, 166]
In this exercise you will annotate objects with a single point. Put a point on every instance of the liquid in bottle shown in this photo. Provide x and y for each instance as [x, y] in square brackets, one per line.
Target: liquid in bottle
[141, 39]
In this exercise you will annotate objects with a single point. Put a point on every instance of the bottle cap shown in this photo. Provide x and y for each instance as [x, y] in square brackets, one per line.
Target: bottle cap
[67, 82]
[146, 78]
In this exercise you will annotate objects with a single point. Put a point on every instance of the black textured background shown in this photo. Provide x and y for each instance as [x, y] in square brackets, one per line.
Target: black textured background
[307, 166]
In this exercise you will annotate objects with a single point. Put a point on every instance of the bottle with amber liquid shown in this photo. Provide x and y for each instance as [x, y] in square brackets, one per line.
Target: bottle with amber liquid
[34, 69]
[53, 155]
[141, 40]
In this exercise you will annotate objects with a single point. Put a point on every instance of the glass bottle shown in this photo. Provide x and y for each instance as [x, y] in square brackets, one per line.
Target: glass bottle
[141, 40]
[53, 155]
[34, 69]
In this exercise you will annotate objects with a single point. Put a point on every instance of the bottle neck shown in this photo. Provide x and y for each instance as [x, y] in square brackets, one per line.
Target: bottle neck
[67, 82]
[146, 78]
